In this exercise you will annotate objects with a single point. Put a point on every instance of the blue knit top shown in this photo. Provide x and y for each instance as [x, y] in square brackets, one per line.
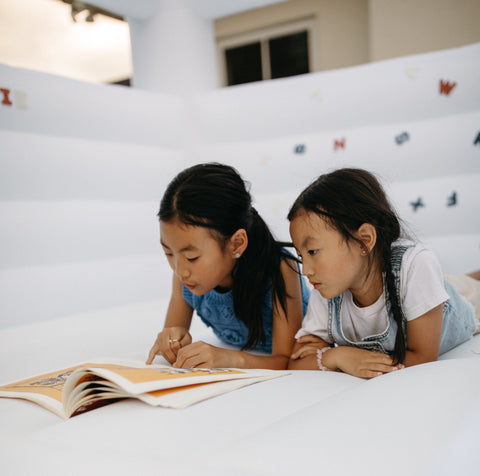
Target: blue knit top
[216, 311]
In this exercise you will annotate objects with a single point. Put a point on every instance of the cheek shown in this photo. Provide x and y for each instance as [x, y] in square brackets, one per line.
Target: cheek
[170, 261]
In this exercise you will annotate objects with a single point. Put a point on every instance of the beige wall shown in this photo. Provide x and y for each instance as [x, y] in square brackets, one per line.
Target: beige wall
[341, 28]
[351, 32]
[404, 27]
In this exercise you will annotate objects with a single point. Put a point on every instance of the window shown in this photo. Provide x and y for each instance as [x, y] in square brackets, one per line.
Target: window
[268, 54]
[289, 55]
[244, 64]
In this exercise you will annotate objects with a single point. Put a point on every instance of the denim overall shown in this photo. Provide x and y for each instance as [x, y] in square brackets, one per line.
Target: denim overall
[458, 318]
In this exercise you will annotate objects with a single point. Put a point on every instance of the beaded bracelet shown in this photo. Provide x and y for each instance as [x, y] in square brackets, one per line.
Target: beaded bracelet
[320, 353]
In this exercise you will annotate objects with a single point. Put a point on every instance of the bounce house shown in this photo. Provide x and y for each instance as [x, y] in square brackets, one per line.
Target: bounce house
[82, 273]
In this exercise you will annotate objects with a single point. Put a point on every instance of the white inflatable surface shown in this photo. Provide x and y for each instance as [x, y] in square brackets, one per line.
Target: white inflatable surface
[422, 421]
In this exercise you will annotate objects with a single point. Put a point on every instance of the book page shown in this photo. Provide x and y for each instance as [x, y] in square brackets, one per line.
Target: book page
[86, 386]
[182, 397]
[142, 378]
[45, 389]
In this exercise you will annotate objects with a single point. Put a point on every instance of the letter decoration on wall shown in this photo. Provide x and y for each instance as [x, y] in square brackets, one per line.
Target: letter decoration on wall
[339, 143]
[446, 87]
[416, 205]
[6, 97]
[20, 96]
[402, 138]
[300, 149]
[412, 72]
[452, 200]
[477, 140]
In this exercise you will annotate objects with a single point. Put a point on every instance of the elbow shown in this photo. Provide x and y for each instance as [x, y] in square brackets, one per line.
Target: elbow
[280, 362]
[417, 358]
[294, 364]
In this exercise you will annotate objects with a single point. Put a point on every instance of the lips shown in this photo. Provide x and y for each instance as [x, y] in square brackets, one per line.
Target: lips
[315, 285]
[189, 286]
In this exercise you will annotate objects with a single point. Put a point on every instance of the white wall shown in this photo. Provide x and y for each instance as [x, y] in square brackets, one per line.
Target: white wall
[83, 168]
[258, 127]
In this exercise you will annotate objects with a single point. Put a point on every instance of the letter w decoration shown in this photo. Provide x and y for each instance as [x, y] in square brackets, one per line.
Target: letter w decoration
[446, 87]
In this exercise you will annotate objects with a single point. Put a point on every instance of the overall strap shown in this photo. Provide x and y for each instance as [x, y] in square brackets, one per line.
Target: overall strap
[334, 307]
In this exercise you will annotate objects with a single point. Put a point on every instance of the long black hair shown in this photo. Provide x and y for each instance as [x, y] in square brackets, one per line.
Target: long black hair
[347, 198]
[215, 196]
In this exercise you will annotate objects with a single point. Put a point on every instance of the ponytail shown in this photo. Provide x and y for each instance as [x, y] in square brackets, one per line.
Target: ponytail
[257, 270]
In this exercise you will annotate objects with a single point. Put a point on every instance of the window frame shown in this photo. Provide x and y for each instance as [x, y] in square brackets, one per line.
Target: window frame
[262, 36]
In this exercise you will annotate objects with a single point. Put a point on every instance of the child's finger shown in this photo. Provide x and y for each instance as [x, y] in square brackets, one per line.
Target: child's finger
[383, 368]
[303, 352]
[152, 354]
[186, 339]
[169, 352]
[175, 345]
[298, 354]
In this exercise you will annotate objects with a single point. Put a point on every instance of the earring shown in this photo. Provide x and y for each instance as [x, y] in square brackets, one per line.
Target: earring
[364, 252]
[237, 255]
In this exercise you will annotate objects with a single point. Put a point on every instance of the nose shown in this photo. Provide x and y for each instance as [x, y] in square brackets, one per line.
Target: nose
[306, 271]
[181, 270]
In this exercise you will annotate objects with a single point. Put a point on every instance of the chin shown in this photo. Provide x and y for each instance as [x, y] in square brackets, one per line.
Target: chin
[328, 294]
[198, 292]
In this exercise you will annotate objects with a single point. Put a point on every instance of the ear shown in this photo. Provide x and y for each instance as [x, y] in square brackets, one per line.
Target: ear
[239, 243]
[367, 234]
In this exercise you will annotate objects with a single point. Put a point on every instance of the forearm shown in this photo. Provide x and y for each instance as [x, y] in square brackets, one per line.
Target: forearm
[416, 358]
[308, 362]
[245, 360]
[178, 320]
[424, 335]
[179, 312]
[357, 362]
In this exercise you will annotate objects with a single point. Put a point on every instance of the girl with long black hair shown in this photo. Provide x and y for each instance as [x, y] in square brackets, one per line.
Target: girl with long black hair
[381, 301]
[230, 270]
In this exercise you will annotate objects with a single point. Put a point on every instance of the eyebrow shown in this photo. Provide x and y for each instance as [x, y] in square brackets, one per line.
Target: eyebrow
[306, 240]
[185, 248]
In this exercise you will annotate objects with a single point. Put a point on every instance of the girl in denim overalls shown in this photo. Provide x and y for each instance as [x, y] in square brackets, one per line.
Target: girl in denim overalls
[230, 270]
[380, 301]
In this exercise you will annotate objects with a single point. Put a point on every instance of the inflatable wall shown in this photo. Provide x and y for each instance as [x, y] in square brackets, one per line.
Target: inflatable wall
[84, 166]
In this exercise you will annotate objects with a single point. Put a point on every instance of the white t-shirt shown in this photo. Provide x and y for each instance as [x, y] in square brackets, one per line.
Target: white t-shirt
[421, 289]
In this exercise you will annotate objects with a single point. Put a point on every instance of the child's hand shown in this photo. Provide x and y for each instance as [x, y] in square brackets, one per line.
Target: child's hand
[359, 362]
[204, 355]
[307, 345]
[169, 342]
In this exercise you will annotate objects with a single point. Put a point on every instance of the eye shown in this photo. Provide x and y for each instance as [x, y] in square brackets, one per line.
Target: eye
[312, 252]
[168, 255]
[192, 259]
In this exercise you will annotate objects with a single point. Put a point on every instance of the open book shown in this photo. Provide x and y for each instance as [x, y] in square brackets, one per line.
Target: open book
[74, 390]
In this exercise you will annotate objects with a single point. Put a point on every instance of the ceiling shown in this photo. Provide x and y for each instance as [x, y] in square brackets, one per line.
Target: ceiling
[208, 9]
